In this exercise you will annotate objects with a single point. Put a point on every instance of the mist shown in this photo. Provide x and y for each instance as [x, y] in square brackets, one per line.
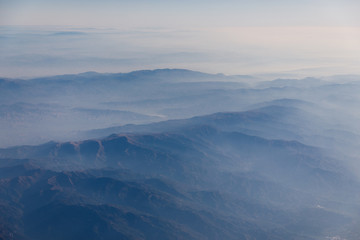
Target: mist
[295, 52]
[179, 120]
[237, 148]
[238, 145]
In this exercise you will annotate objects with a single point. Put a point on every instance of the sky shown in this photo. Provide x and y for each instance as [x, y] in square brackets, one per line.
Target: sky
[305, 37]
[186, 13]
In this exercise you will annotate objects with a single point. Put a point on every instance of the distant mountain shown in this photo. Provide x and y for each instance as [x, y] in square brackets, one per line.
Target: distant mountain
[272, 121]
[298, 83]
[141, 97]
[68, 103]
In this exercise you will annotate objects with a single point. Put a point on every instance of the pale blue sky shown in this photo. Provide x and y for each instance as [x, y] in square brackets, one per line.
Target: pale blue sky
[186, 13]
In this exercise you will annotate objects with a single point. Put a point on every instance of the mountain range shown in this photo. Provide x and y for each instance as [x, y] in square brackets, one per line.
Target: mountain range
[196, 156]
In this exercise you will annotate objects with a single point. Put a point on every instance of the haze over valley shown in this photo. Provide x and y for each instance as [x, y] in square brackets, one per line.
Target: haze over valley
[179, 152]
[179, 120]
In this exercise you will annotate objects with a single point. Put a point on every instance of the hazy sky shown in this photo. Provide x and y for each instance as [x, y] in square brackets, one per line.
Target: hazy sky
[186, 13]
[234, 37]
